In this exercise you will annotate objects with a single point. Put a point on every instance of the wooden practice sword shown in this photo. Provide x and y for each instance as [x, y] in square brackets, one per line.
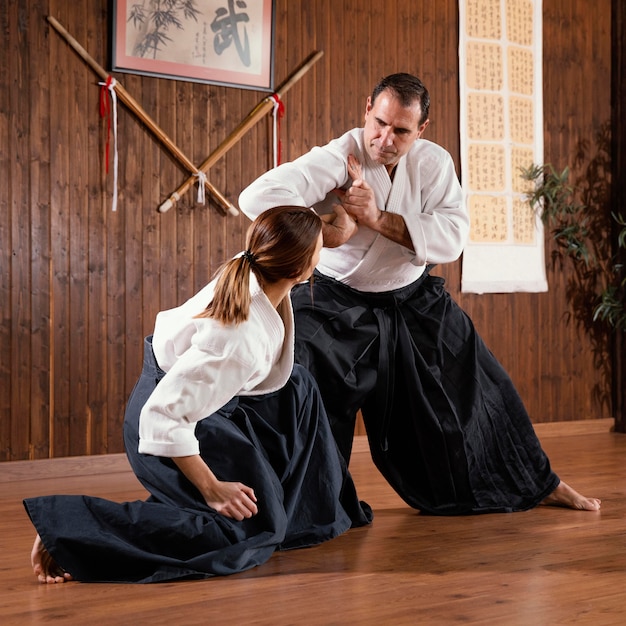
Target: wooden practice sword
[135, 107]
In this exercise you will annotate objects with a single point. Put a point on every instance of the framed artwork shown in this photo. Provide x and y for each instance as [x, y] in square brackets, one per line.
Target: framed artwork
[224, 42]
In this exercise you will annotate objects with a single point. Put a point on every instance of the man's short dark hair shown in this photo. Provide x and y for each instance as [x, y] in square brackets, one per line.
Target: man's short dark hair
[407, 88]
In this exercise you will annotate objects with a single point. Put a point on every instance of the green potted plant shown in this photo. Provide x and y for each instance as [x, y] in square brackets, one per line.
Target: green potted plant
[582, 233]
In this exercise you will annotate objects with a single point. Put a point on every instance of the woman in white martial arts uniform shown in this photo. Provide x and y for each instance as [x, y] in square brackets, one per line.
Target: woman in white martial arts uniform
[228, 436]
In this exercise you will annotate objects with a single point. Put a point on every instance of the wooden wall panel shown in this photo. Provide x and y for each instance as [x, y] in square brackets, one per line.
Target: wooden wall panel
[618, 156]
[39, 202]
[6, 299]
[562, 371]
[19, 211]
[80, 284]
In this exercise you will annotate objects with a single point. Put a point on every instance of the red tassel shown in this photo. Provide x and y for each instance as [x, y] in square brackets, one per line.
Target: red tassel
[279, 112]
[105, 112]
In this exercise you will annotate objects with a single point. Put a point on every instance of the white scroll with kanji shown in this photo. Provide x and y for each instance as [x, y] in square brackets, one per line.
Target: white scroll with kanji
[500, 54]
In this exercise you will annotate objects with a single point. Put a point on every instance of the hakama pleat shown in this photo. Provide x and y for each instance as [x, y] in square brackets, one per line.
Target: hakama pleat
[445, 424]
[279, 444]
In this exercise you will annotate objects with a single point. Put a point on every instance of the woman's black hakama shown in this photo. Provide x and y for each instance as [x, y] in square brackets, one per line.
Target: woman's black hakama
[279, 444]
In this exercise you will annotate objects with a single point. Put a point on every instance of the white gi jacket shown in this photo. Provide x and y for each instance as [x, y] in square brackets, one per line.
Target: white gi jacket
[425, 191]
[208, 363]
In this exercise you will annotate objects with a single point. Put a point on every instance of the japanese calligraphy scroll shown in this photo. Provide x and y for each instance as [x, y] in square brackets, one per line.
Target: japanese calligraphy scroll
[500, 53]
[227, 42]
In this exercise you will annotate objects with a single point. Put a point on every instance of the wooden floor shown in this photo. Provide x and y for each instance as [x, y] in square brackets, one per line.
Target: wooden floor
[547, 566]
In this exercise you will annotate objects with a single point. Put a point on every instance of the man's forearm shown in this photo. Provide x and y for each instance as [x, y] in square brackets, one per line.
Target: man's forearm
[392, 226]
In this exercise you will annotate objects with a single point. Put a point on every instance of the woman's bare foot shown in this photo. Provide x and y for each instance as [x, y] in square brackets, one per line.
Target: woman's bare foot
[565, 496]
[46, 570]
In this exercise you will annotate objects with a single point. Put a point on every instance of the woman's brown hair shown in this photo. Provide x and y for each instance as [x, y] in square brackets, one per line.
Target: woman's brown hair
[280, 243]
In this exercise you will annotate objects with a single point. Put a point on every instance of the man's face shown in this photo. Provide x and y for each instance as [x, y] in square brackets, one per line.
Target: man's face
[390, 129]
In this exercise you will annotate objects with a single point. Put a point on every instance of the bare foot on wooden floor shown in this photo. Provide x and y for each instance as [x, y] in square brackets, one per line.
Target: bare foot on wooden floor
[565, 496]
[46, 570]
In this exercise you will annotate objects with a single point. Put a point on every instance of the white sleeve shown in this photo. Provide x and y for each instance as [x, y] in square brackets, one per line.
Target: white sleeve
[440, 230]
[197, 385]
[303, 182]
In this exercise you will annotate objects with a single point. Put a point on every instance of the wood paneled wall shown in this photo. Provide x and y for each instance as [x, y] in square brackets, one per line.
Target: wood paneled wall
[618, 156]
[80, 284]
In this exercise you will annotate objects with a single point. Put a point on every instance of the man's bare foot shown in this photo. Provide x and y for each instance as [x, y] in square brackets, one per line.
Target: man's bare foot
[46, 570]
[565, 496]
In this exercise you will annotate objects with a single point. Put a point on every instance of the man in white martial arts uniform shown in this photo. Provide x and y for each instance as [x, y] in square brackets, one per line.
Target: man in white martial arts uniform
[445, 424]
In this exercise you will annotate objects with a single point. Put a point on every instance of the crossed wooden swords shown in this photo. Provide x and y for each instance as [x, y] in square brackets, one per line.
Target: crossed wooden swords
[261, 109]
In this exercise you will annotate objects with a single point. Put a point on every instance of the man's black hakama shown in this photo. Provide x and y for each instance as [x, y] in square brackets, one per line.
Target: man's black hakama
[446, 426]
[279, 444]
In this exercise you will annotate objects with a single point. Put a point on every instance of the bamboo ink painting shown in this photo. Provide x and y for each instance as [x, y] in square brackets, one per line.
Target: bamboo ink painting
[225, 42]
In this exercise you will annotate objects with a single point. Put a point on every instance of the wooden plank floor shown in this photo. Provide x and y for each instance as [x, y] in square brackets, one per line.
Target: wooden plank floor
[546, 566]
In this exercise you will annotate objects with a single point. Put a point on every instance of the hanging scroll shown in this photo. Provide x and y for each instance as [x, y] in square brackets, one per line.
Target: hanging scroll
[225, 42]
[501, 131]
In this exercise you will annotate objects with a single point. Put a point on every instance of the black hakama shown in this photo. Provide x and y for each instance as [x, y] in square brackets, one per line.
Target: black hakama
[446, 427]
[279, 444]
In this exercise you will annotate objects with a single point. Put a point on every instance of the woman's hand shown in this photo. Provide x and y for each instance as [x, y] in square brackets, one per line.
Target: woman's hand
[230, 499]
[337, 227]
